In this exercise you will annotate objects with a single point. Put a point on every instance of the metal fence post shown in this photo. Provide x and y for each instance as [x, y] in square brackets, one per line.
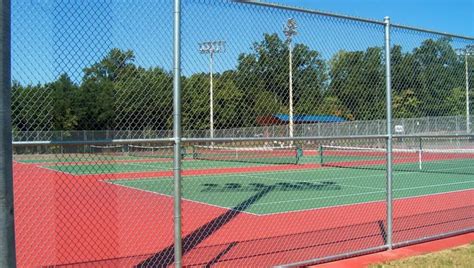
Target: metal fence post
[7, 235]
[177, 131]
[468, 121]
[389, 134]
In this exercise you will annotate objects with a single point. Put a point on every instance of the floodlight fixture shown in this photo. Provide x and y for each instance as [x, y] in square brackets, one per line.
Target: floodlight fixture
[212, 47]
[290, 29]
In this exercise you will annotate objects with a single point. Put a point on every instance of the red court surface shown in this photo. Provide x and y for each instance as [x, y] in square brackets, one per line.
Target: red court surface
[63, 219]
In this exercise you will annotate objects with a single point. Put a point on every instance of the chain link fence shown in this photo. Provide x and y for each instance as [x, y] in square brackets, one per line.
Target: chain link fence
[285, 157]
[440, 125]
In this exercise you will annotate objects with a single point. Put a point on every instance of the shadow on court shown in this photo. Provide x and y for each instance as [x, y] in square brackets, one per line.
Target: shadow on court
[166, 256]
[275, 250]
[280, 186]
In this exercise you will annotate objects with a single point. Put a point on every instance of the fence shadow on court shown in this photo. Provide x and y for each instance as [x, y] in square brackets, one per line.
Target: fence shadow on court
[312, 244]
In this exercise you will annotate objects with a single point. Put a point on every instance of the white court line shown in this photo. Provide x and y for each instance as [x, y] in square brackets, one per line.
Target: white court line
[310, 181]
[258, 204]
[147, 166]
[435, 185]
[298, 200]
[206, 176]
[328, 197]
[277, 172]
[362, 203]
[317, 198]
[170, 196]
[56, 170]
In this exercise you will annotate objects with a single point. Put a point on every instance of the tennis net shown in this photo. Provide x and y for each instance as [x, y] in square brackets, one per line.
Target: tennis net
[263, 155]
[152, 151]
[449, 161]
[106, 150]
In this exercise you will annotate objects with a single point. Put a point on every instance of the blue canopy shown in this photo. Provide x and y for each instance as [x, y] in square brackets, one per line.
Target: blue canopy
[310, 118]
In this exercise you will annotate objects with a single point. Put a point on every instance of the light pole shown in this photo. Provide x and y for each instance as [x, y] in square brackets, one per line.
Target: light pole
[468, 51]
[211, 47]
[290, 30]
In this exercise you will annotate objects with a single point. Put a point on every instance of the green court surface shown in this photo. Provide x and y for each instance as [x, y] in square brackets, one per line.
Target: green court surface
[106, 166]
[295, 190]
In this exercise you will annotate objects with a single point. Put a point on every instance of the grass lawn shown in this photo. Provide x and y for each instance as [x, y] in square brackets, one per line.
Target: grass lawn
[456, 257]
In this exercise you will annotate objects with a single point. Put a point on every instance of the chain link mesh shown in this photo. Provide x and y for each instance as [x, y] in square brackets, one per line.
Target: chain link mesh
[91, 71]
[284, 134]
[431, 79]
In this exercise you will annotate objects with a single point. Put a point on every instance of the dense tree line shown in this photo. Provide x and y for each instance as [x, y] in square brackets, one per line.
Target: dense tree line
[116, 93]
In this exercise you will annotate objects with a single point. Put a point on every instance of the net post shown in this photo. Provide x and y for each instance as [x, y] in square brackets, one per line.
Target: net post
[299, 154]
[7, 230]
[389, 134]
[420, 153]
[177, 135]
[321, 154]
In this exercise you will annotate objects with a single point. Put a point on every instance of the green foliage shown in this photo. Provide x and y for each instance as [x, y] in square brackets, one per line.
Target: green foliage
[405, 104]
[457, 101]
[64, 108]
[266, 70]
[333, 106]
[358, 80]
[439, 71]
[116, 93]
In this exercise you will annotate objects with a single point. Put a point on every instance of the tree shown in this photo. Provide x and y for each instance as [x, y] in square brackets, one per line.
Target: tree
[196, 102]
[438, 72]
[31, 107]
[405, 104]
[64, 109]
[264, 75]
[358, 81]
[331, 105]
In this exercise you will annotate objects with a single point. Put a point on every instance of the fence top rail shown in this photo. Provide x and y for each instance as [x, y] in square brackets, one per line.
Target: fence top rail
[303, 138]
[196, 140]
[434, 136]
[329, 14]
[400, 26]
[256, 139]
[91, 142]
[306, 10]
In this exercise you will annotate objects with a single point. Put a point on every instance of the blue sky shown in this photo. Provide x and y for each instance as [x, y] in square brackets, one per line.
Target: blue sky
[51, 37]
[454, 16]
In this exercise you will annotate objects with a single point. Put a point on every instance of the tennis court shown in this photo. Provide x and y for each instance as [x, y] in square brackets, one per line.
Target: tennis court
[296, 190]
[231, 195]
[327, 177]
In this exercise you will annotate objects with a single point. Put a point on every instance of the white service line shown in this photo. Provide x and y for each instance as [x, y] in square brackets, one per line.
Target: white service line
[435, 185]
[170, 196]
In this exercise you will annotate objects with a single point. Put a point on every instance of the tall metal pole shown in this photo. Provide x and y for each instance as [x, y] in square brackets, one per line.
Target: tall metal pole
[211, 48]
[291, 90]
[7, 230]
[290, 30]
[388, 74]
[468, 120]
[211, 94]
[177, 132]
